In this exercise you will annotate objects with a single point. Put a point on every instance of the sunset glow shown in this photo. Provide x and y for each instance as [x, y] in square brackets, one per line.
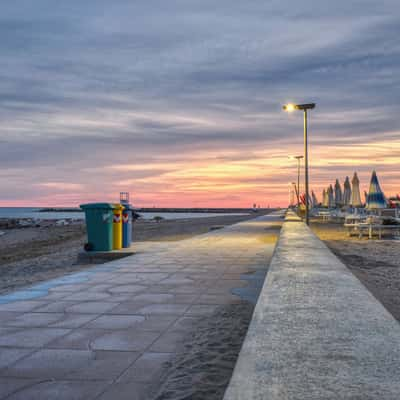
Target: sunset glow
[189, 114]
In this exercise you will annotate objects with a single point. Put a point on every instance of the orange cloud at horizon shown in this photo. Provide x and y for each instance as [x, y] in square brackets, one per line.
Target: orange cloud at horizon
[236, 179]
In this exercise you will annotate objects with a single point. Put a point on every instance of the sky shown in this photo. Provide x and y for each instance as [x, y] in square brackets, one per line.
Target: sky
[179, 102]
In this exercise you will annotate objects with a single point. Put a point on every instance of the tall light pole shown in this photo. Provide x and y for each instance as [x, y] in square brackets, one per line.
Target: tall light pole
[293, 191]
[304, 108]
[298, 158]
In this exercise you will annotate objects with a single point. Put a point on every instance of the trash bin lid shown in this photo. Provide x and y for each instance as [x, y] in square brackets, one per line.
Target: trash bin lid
[118, 207]
[101, 206]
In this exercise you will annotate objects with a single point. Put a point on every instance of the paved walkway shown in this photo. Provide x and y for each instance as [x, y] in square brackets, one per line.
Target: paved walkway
[107, 332]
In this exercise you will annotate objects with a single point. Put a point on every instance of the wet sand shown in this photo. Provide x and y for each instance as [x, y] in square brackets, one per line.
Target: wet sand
[376, 263]
[32, 254]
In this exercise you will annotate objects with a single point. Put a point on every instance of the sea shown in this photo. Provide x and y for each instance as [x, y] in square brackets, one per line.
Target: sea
[33, 212]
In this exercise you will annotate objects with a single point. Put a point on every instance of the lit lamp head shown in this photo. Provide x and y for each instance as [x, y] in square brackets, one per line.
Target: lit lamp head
[291, 107]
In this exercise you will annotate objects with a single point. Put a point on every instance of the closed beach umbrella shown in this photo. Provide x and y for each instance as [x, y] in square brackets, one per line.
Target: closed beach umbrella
[324, 199]
[331, 200]
[355, 192]
[338, 194]
[346, 192]
[314, 199]
[376, 198]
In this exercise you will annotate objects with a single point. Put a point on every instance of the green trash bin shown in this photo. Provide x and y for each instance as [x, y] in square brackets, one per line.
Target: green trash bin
[99, 226]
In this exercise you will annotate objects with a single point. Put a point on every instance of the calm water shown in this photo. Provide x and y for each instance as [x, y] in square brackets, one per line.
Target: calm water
[32, 212]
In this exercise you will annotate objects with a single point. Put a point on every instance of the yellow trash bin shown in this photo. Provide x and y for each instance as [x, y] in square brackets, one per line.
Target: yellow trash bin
[117, 226]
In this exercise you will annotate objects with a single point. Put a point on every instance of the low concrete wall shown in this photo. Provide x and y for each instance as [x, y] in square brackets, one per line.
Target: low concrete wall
[316, 332]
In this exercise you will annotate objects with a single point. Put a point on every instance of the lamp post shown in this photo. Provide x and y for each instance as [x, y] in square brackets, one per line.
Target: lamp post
[304, 108]
[293, 188]
[298, 158]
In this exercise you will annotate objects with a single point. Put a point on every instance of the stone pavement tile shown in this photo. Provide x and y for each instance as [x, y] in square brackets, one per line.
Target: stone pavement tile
[86, 296]
[100, 287]
[164, 309]
[171, 298]
[148, 368]
[34, 320]
[101, 277]
[156, 323]
[7, 330]
[185, 298]
[91, 307]
[128, 288]
[56, 306]
[9, 356]
[127, 308]
[119, 297]
[9, 386]
[201, 309]
[176, 281]
[188, 289]
[128, 391]
[185, 324]
[70, 287]
[162, 288]
[218, 299]
[154, 297]
[79, 339]
[107, 321]
[49, 364]
[6, 316]
[32, 337]
[169, 342]
[73, 320]
[53, 296]
[23, 305]
[142, 277]
[126, 340]
[54, 320]
[105, 365]
[225, 286]
[61, 390]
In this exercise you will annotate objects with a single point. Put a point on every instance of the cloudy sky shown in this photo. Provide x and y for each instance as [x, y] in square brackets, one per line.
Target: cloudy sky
[179, 101]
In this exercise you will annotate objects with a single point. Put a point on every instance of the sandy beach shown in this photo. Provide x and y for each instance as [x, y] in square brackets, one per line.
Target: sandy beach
[376, 263]
[33, 254]
[203, 370]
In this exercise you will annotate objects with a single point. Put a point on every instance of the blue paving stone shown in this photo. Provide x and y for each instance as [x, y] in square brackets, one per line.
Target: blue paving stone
[22, 295]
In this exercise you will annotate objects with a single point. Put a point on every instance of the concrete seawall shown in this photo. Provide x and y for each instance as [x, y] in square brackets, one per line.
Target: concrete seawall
[316, 332]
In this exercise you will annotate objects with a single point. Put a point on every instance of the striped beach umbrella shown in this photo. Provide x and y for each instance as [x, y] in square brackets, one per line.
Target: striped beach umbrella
[331, 200]
[346, 192]
[338, 194]
[355, 192]
[376, 198]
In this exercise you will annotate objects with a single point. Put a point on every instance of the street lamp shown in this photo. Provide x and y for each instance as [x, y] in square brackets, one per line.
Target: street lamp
[304, 108]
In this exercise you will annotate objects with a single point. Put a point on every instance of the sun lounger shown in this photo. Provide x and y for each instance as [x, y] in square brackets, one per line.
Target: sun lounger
[373, 224]
[378, 228]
